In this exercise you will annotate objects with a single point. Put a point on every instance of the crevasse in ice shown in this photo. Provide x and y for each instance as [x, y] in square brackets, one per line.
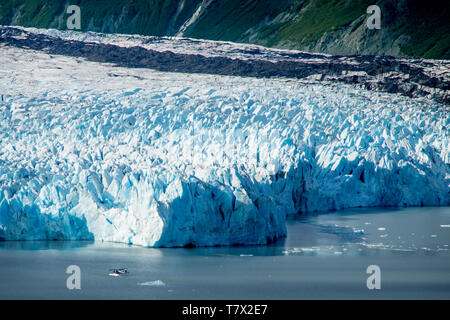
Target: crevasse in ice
[93, 151]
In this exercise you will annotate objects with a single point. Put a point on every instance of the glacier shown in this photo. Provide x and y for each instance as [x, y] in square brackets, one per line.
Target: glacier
[95, 151]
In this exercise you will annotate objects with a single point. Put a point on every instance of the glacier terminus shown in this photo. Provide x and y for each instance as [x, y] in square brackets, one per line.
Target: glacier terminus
[92, 150]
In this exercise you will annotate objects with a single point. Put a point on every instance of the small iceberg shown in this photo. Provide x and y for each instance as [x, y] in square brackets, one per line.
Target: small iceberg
[156, 283]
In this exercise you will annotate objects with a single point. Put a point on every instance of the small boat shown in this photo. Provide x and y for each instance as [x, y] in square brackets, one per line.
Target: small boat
[118, 272]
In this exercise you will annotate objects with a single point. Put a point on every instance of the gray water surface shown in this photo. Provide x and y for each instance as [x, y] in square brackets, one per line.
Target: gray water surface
[324, 256]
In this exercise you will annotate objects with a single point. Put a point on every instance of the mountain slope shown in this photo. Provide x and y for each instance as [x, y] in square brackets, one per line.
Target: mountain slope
[409, 28]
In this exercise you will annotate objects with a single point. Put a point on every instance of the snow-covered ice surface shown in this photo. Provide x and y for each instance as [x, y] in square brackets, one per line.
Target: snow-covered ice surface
[410, 77]
[94, 151]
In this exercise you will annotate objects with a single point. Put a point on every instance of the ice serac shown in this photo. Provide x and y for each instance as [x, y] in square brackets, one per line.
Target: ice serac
[93, 151]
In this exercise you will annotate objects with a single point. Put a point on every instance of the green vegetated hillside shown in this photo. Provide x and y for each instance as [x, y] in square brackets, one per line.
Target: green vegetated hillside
[413, 28]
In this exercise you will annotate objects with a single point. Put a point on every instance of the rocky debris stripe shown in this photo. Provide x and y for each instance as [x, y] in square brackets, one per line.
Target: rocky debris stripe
[380, 73]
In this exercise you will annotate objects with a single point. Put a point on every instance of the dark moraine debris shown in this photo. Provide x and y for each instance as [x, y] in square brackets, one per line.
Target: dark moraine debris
[412, 78]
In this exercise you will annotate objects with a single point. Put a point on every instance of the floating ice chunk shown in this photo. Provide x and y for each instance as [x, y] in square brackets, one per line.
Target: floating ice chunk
[155, 283]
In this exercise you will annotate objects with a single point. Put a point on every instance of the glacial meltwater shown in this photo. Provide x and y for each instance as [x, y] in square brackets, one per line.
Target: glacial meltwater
[324, 256]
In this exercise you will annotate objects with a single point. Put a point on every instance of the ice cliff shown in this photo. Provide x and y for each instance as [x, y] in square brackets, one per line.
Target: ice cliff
[94, 151]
